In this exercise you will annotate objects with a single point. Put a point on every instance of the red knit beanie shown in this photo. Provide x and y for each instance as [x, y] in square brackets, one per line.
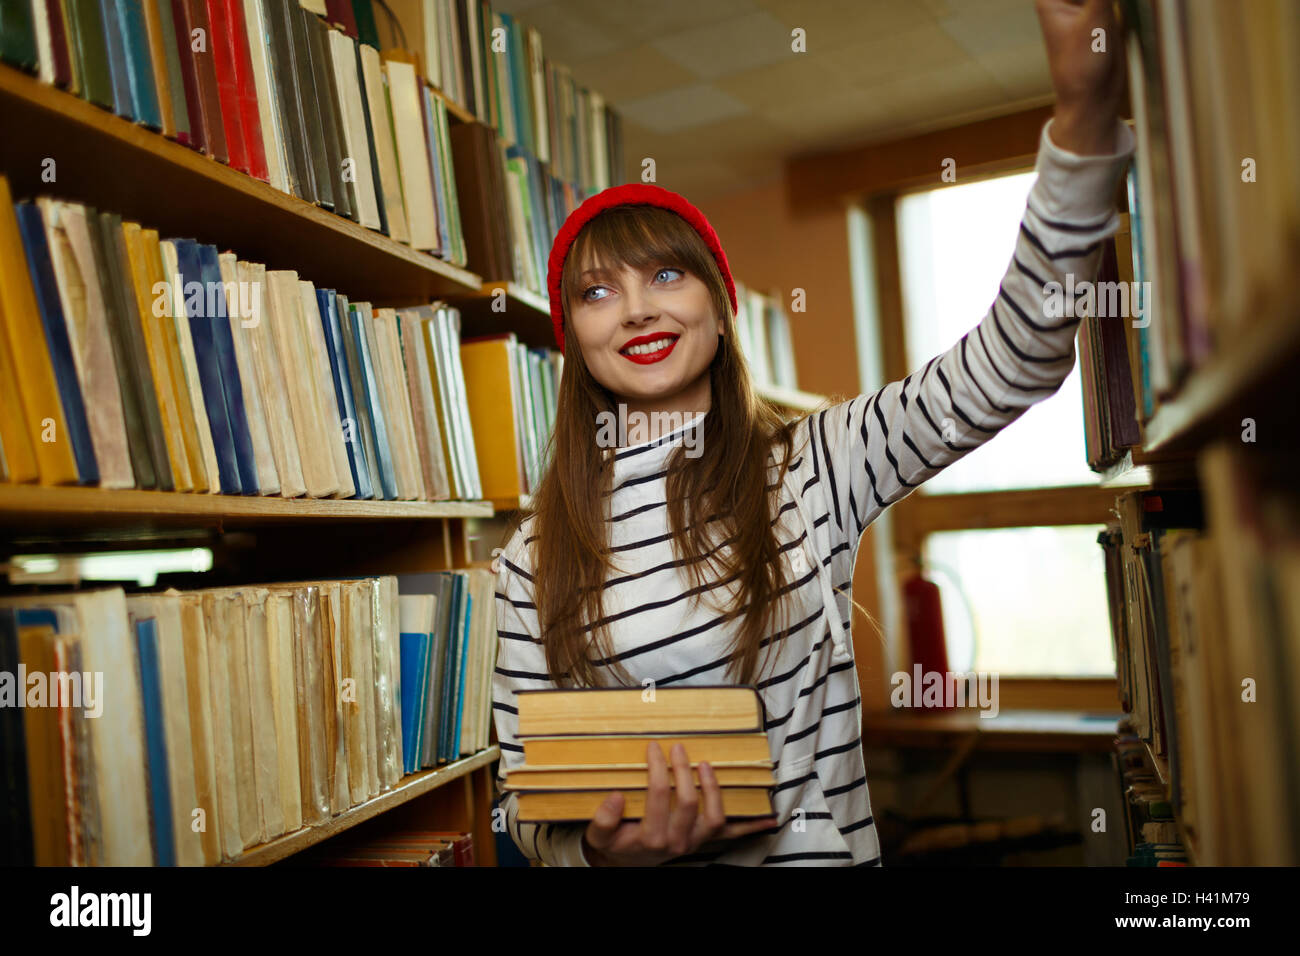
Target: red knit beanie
[629, 194]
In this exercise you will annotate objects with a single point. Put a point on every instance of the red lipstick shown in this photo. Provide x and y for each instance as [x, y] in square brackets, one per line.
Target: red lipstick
[660, 346]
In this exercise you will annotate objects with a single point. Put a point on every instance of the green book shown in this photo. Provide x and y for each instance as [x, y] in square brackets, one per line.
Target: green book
[17, 34]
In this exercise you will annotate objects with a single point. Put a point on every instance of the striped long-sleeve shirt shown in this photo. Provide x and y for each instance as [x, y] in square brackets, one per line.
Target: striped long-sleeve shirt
[850, 462]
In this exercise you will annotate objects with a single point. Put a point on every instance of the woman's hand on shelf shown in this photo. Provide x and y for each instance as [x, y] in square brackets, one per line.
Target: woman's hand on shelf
[1085, 56]
[662, 834]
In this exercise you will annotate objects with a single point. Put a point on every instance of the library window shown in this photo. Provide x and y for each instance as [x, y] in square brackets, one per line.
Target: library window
[1009, 532]
[954, 246]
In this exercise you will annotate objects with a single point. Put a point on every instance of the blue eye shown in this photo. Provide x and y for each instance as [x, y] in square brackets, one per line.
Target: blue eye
[667, 269]
[586, 293]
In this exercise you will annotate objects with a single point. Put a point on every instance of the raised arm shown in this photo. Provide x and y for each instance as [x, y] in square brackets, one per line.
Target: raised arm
[877, 448]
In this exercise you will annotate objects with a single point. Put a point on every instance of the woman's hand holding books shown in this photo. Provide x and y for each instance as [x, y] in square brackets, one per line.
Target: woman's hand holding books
[665, 832]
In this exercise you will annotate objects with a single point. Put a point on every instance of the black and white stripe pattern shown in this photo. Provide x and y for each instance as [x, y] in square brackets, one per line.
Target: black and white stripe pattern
[850, 462]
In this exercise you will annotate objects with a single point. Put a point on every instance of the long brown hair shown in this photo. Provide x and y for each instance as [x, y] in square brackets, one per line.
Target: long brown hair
[720, 504]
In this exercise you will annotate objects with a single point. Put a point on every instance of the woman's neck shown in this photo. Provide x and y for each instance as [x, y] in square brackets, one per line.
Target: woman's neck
[648, 420]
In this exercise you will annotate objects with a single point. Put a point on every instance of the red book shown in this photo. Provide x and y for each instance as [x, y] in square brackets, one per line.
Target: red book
[220, 37]
[247, 90]
[59, 40]
[184, 24]
[340, 12]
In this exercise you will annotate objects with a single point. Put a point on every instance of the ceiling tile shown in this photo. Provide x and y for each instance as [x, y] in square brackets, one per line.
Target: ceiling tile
[629, 74]
[682, 108]
[833, 24]
[735, 44]
[886, 59]
[791, 83]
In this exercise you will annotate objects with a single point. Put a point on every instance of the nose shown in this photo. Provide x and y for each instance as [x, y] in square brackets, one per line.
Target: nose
[638, 305]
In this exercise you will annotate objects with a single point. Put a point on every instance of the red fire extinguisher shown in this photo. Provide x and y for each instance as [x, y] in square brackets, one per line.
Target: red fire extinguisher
[924, 610]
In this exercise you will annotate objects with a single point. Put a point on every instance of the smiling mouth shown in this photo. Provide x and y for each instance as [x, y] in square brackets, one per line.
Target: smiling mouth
[649, 348]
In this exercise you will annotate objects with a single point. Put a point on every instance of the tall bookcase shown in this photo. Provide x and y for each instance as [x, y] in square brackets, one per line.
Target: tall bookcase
[1213, 94]
[110, 163]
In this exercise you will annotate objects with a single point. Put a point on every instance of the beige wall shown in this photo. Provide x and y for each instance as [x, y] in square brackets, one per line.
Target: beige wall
[772, 249]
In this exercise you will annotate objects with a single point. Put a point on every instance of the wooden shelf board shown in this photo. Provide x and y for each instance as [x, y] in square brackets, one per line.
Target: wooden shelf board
[512, 504]
[25, 505]
[408, 788]
[117, 166]
[1262, 356]
[526, 313]
[791, 398]
[1009, 730]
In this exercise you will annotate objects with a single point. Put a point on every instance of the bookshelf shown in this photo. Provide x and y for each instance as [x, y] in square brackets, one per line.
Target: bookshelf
[182, 192]
[1201, 562]
[115, 165]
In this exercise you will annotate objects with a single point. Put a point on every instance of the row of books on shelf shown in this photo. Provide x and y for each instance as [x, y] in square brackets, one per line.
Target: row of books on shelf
[1215, 213]
[581, 744]
[493, 66]
[764, 332]
[318, 113]
[1202, 591]
[128, 361]
[186, 727]
[1149, 822]
[402, 848]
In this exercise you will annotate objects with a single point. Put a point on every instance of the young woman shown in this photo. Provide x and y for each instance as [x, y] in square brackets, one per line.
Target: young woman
[721, 550]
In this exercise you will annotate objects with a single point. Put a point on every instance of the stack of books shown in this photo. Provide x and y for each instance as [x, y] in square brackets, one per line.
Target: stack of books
[166, 364]
[581, 745]
[189, 726]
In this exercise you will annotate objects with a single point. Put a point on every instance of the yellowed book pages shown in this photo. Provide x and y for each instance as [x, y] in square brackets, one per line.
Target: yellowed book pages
[492, 414]
[321, 380]
[159, 359]
[204, 481]
[310, 664]
[582, 804]
[199, 696]
[275, 391]
[266, 756]
[390, 180]
[331, 613]
[399, 399]
[219, 610]
[45, 784]
[268, 107]
[629, 711]
[73, 258]
[342, 58]
[291, 343]
[356, 611]
[631, 748]
[240, 306]
[631, 778]
[279, 625]
[372, 596]
[251, 825]
[433, 461]
[388, 647]
[25, 340]
[412, 153]
[354, 699]
[189, 361]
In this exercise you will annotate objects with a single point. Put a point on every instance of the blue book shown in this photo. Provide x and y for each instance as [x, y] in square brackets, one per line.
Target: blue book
[383, 450]
[460, 683]
[231, 384]
[415, 671]
[32, 226]
[435, 157]
[355, 446]
[203, 332]
[160, 797]
[115, 46]
[139, 63]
